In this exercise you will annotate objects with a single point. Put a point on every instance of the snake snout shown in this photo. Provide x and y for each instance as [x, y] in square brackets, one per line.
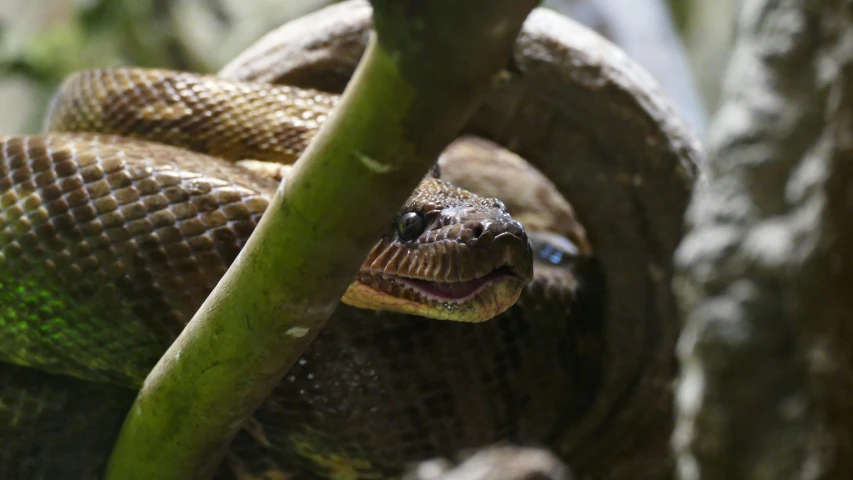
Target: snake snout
[492, 240]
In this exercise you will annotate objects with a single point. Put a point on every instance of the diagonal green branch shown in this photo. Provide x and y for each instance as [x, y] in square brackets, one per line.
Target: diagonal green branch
[424, 72]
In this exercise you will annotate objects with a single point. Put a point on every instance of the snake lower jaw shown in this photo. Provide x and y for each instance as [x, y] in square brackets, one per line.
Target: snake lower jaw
[472, 302]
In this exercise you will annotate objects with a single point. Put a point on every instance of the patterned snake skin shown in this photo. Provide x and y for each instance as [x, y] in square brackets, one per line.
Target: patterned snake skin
[110, 243]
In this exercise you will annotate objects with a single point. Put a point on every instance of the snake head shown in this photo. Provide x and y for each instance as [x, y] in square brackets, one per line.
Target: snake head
[449, 254]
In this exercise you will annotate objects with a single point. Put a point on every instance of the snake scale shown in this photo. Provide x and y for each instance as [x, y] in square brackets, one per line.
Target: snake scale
[118, 223]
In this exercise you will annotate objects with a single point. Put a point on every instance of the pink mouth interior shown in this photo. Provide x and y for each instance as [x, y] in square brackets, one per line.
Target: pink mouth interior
[454, 291]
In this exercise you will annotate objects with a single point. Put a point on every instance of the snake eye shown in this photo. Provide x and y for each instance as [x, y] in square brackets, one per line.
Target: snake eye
[410, 226]
[554, 249]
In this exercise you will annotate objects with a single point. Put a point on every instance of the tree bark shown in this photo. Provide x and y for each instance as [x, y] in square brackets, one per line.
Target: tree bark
[766, 270]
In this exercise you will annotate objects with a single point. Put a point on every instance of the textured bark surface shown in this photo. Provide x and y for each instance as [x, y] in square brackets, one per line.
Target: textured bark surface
[766, 271]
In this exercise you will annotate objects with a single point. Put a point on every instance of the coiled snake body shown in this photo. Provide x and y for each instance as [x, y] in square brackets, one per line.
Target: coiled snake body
[110, 243]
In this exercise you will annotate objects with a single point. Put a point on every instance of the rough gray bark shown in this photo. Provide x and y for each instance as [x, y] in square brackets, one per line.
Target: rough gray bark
[767, 268]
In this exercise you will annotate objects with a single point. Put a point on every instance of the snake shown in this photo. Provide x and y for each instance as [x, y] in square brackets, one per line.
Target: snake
[462, 328]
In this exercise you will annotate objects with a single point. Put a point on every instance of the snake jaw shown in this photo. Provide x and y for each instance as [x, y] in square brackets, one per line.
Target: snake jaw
[401, 295]
[473, 300]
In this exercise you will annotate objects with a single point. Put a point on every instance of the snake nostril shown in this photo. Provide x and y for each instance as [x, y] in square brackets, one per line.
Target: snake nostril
[478, 230]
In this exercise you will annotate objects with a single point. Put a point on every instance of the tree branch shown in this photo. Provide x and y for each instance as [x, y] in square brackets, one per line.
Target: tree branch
[424, 72]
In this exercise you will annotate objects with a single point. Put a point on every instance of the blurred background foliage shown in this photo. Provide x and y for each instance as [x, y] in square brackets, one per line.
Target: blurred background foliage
[683, 43]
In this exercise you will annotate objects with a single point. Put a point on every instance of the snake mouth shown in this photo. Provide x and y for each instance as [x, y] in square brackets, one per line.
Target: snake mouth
[474, 300]
[456, 292]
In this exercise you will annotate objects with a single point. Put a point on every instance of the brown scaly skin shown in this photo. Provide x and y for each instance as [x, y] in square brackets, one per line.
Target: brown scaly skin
[239, 120]
[377, 390]
[242, 121]
[143, 230]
